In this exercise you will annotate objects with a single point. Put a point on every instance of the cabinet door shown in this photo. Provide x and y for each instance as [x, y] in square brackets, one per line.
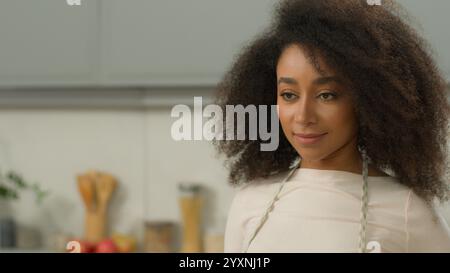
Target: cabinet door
[431, 19]
[176, 42]
[48, 42]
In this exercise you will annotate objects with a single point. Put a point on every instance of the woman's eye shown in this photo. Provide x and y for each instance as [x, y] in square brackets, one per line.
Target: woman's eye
[288, 96]
[328, 96]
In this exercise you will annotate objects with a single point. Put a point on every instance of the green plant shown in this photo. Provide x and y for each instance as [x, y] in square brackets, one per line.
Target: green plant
[12, 183]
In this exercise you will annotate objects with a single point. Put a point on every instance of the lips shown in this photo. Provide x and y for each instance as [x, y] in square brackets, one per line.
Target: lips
[309, 135]
[308, 138]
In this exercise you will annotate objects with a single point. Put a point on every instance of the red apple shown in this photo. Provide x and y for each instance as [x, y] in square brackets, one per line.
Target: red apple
[106, 246]
[87, 247]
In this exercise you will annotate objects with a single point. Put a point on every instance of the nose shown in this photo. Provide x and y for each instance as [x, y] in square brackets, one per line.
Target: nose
[306, 112]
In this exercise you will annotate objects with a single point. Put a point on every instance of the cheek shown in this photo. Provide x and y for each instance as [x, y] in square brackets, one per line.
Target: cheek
[285, 115]
[340, 120]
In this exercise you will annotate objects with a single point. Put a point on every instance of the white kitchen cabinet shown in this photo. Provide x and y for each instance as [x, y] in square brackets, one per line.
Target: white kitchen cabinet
[176, 42]
[179, 42]
[48, 43]
[148, 43]
[118, 42]
[431, 19]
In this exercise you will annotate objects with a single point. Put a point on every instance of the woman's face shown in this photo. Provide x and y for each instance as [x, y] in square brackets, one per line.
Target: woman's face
[311, 103]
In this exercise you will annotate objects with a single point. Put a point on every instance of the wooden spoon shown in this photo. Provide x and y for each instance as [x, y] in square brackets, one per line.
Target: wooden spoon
[105, 186]
[86, 188]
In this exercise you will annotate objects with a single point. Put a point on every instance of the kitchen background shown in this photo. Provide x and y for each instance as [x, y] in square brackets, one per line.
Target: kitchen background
[91, 87]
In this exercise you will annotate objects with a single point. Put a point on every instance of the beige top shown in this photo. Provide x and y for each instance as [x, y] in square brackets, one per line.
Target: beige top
[319, 211]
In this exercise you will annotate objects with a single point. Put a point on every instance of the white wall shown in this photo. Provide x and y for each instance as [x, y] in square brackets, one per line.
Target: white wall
[51, 146]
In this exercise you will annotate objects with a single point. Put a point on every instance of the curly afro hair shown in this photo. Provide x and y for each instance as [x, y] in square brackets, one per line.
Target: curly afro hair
[399, 91]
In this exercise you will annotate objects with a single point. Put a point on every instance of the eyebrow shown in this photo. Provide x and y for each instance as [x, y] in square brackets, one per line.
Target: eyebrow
[318, 81]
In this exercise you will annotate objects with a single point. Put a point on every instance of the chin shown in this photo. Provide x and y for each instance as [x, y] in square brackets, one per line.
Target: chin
[310, 155]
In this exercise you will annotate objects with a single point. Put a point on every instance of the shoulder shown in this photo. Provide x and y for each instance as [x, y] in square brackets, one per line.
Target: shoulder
[388, 190]
[248, 201]
[260, 189]
[418, 209]
[426, 228]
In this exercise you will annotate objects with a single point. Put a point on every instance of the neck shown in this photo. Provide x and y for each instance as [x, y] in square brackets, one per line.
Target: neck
[347, 158]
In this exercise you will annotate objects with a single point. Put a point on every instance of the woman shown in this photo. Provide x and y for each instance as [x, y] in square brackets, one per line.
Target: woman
[363, 148]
